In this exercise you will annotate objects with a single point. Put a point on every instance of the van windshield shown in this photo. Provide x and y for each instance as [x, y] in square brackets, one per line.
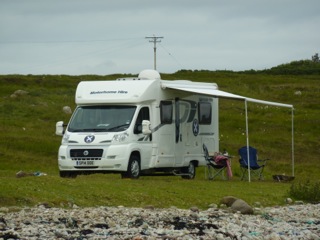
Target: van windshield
[101, 118]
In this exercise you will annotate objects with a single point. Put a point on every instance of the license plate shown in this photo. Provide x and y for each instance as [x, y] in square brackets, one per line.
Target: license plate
[85, 163]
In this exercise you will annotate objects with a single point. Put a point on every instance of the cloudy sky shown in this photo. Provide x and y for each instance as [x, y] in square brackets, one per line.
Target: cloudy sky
[104, 36]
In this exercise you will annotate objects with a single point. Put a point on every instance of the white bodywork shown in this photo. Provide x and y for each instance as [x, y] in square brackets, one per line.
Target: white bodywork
[169, 148]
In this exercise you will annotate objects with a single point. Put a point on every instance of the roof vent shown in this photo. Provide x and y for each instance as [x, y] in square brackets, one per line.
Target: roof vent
[149, 74]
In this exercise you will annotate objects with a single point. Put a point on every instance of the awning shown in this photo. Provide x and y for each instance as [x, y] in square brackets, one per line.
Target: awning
[211, 89]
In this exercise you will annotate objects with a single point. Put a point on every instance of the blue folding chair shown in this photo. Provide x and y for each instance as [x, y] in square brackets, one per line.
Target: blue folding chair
[256, 166]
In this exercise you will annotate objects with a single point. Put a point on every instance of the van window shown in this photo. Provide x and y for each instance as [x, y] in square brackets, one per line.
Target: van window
[166, 110]
[143, 115]
[101, 118]
[204, 112]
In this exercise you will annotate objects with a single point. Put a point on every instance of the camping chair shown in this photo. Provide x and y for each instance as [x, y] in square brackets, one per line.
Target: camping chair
[256, 169]
[214, 168]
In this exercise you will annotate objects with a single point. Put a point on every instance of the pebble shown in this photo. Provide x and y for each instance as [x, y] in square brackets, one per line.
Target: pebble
[270, 223]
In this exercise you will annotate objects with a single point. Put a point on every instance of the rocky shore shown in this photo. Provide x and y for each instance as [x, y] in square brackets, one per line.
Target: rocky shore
[44, 222]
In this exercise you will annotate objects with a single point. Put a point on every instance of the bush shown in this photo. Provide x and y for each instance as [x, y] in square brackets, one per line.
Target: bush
[306, 191]
[296, 67]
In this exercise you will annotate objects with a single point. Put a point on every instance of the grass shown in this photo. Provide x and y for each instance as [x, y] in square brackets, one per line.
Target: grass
[111, 190]
[28, 143]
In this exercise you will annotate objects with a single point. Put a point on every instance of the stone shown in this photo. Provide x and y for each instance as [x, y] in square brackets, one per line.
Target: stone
[194, 209]
[282, 222]
[241, 206]
[213, 205]
[289, 201]
[236, 205]
[228, 200]
[23, 174]
[4, 209]
[67, 110]
[20, 93]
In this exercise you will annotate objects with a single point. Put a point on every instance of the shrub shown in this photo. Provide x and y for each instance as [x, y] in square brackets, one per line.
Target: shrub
[307, 191]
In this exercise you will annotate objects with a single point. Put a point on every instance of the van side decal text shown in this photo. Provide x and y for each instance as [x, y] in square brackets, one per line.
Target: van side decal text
[109, 92]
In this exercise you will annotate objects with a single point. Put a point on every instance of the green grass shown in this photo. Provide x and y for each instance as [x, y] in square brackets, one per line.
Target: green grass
[111, 190]
[28, 142]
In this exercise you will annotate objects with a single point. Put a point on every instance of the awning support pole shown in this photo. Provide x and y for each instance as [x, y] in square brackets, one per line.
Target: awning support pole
[292, 138]
[247, 135]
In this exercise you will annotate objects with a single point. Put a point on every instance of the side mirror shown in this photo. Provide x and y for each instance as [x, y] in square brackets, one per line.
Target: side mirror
[59, 128]
[146, 127]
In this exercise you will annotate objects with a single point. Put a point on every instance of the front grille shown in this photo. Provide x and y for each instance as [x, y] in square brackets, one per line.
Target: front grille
[86, 154]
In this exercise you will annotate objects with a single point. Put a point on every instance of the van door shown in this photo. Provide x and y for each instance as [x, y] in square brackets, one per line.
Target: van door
[166, 135]
[185, 118]
[145, 142]
[179, 133]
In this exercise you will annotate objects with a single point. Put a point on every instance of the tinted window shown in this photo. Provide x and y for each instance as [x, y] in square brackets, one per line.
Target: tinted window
[166, 109]
[204, 112]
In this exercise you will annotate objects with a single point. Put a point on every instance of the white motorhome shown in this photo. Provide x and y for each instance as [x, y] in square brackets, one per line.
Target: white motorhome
[139, 126]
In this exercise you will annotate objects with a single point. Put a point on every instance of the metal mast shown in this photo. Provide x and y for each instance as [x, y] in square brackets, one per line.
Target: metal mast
[155, 40]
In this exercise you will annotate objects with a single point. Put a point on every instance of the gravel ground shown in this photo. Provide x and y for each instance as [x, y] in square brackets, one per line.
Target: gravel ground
[43, 222]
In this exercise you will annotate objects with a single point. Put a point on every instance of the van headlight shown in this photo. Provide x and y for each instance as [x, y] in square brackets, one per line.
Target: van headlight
[65, 138]
[121, 137]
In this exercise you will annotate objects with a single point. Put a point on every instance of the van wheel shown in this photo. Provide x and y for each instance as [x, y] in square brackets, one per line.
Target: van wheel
[133, 168]
[190, 170]
[66, 174]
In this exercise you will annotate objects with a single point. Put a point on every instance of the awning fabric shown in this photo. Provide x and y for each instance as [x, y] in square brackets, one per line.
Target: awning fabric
[211, 90]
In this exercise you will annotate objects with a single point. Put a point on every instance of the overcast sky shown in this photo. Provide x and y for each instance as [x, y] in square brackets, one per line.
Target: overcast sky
[103, 37]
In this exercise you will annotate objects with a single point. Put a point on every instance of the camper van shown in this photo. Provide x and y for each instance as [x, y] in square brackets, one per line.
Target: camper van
[139, 126]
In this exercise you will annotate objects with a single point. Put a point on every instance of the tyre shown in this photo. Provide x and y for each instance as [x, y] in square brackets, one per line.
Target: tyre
[190, 170]
[133, 168]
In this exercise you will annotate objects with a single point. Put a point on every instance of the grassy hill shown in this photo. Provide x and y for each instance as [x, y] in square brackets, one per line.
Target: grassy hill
[28, 141]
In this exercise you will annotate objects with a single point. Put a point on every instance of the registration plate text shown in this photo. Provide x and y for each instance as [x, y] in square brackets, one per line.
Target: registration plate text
[85, 163]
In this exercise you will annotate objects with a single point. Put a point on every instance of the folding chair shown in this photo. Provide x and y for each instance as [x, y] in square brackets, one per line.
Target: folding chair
[213, 168]
[256, 169]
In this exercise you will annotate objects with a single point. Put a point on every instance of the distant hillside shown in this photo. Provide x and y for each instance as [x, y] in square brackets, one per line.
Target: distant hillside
[296, 67]
[301, 67]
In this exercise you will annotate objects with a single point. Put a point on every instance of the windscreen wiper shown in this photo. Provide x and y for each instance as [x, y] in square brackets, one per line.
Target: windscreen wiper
[119, 126]
[89, 130]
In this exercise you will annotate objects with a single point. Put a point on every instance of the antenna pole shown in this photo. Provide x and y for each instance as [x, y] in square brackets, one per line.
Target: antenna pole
[155, 40]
